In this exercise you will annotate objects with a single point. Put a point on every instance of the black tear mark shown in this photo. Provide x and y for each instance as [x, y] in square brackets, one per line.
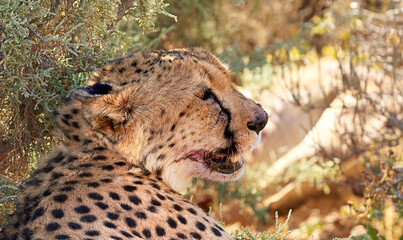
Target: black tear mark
[227, 132]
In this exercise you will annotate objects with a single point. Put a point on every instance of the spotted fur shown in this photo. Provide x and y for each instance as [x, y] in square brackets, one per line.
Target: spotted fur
[141, 129]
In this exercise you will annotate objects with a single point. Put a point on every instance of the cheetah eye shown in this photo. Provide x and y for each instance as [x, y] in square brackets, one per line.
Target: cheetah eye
[204, 95]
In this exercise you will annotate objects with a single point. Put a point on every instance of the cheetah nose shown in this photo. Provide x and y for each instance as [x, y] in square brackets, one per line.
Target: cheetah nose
[259, 123]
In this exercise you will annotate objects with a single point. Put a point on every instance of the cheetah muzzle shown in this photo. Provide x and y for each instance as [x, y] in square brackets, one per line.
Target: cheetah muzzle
[141, 129]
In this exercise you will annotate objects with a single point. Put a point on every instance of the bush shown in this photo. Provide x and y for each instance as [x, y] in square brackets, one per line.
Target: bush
[47, 48]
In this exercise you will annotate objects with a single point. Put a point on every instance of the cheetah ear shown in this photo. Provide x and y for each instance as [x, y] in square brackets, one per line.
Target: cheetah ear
[91, 92]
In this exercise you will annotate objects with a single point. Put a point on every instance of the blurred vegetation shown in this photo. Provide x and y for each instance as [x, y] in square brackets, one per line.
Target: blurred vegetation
[46, 48]
[280, 232]
[49, 47]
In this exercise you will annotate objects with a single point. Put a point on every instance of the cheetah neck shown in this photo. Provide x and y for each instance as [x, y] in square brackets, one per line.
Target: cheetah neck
[73, 127]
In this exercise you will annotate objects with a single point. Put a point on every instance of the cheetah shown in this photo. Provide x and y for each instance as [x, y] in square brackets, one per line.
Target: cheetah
[143, 127]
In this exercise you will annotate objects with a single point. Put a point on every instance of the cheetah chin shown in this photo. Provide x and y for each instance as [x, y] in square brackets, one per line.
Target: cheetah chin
[220, 165]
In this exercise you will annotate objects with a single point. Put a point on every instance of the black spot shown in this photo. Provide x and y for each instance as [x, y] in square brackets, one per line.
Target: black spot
[123, 83]
[52, 227]
[101, 205]
[181, 235]
[62, 237]
[182, 219]
[138, 182]
[58, 158]
[27, 233]
[67, 116]
[146, 233]
[116, 237]
[181, 114]
[76, 138]
[162, 112]
[160, 231]
[92, 233]
[85, 165]
[171, 145]
[82, 209]
[75, 111]
[216, 231]
[125, 206]
[219, 227]
[161, 157]
[172, 223]
[173, 127]
[99, 157]
[107, 167]
[112, 216]
[95, 196]
[129, 188]
[154, 185]
[140, 215]
[138, 71]
[106, 180]
[71, 158]
[134, 64]
[65, 122]
[160, 196]
[130, 222]
[88, 218]
[200, 226]
[192, 211]
[57, 213]
[74, 225]
[87, 141]
[158, 171]
[85, 174]
[66, 189]
[71, 182]
[38, 213]
[76, 125]
[195, 235]
[56, 175]
[60, 198]
[135, 233]
[155, 202]
[93, 184]
[122, 70]
[109, 225]
[120, 163]
[47, 169]
[114, 196]
[177, 207]
[126, 234]
[135, 200]
[99, 148]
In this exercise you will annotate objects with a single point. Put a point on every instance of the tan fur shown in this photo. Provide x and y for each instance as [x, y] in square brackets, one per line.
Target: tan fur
[135, 141]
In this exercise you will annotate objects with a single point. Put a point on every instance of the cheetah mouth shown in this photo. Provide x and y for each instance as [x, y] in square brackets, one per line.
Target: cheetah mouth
[218, 161]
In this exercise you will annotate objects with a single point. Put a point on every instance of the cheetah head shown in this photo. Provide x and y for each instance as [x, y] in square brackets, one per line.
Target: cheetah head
[174, 113]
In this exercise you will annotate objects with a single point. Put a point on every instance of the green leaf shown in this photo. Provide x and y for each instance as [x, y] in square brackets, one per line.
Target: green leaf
[372, 232]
